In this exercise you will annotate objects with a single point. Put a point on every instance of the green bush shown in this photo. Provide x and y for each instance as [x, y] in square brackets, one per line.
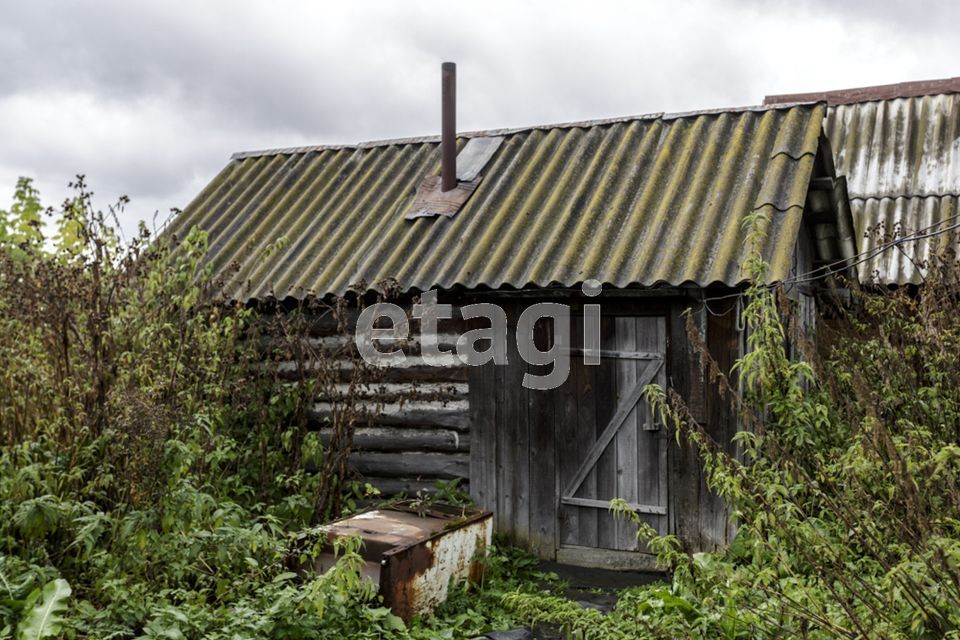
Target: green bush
[158, 481]
[157, 477]
[844, 487]
[149, 462]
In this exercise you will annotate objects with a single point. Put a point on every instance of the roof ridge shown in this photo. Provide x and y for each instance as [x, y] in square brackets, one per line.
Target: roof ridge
[658, 115]
[911, 89]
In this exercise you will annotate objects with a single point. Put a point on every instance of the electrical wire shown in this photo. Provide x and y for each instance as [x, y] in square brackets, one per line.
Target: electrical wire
[828, 270]
[868, 255]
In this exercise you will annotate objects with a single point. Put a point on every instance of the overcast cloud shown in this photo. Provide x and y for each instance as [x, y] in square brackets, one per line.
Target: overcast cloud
[150, 98]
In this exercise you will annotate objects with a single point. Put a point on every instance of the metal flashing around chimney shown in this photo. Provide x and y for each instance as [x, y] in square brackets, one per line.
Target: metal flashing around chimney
[431, 200]
[445, 194]
[475, 155]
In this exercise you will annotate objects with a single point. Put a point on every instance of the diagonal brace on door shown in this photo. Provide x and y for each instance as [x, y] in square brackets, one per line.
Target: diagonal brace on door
[627, 403]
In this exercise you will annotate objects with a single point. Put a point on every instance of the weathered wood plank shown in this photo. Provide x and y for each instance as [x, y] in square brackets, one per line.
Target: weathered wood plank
[483, 435]
[503, 510]
[606, 465]
[454, 415]
[651, 441]
[605, 504]
[543, 456]
[567, 417]
[585, 436]
[391, 393]
[320, 320]
[663, 497]
[628, 463]
[651, 335]
[420, 373]
[340, 347]
[607, 559]
[723, 344]
[519, 439]
[661, 437]
[616, 354]
[696, 392]
[511, 436]
[409, 486]
[322, 323]
[400, 439]
[436, 465]
[683, 469]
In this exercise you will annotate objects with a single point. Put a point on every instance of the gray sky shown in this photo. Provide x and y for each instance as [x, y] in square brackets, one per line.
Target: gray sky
[150, 98]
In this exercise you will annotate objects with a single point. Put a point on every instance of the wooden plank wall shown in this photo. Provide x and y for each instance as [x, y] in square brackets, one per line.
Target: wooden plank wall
[696, 514]
[515, 467]
[723, 341]
[514, 457]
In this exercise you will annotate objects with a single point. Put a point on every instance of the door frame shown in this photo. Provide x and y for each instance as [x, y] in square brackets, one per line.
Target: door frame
[619, 559]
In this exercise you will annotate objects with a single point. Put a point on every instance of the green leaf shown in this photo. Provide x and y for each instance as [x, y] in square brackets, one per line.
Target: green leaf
[289, 575]
[393, 623]
[44, 611]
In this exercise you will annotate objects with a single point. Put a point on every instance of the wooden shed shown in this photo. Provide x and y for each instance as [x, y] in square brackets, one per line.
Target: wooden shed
[651, 207]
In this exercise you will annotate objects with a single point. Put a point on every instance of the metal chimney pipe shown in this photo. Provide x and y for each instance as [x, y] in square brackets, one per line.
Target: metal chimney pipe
[448, 127]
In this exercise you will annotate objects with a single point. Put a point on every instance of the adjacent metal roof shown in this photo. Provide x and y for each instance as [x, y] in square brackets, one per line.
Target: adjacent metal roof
[636, 201]
[881, 220]
[900, 151]
[902, 162]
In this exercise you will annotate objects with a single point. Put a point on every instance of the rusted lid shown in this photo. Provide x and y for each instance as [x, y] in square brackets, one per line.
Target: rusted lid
[397, 526]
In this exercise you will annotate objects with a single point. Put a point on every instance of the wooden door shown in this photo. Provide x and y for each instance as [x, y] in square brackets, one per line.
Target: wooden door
[612, 446]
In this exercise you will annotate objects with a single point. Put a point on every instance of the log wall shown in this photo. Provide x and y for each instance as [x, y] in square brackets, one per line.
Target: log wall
[421, 431]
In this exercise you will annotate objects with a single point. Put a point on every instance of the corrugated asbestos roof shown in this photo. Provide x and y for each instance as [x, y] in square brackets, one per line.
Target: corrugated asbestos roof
[902, 161]
[644, 201]
[899, 147]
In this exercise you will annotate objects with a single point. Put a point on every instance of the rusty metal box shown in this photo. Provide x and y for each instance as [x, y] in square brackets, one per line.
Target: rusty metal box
[413, 552]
